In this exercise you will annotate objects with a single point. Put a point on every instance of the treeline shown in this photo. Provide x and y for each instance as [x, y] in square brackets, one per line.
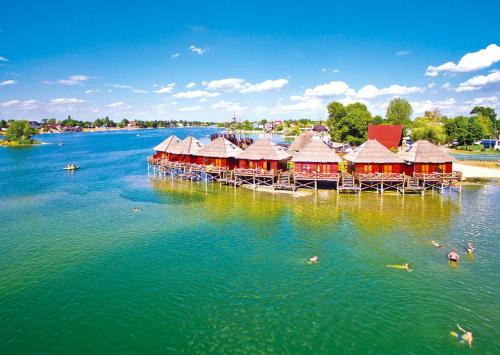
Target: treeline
[349, 123]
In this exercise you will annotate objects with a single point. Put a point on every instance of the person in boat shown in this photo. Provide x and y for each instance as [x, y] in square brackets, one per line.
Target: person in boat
[405, 266]
[436, 244]
[453, 255]
[470, 248]
[313, 260]
[466, 337]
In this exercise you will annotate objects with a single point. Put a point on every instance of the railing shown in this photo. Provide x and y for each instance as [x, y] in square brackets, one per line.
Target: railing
[255, 172]
[379, 176]
[315, 175]
[454, 175]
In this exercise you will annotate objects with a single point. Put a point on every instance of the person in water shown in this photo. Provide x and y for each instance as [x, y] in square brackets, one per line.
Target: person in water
[466, 337]
[401, 267]
[453, 255]
[470, 248]
[136, 209]
[313, 260]
[436, 244]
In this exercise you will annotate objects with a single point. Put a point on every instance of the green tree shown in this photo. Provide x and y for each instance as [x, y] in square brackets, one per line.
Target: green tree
[465, 130]
[489, 113]
[3, 124]
[123, 123]
[399, 112]
[486, 126]
[262, 122]
[429, 129]
[20, 132]
[348, 123]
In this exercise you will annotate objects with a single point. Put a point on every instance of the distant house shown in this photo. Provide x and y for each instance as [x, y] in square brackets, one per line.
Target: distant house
[133, 124]
[391, 136]
[35, 124]
[320, 128]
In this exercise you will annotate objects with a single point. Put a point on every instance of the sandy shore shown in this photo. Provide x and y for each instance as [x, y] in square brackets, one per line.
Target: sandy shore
[471, 172]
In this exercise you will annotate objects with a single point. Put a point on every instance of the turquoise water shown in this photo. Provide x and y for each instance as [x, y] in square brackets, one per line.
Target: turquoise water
[204, 269]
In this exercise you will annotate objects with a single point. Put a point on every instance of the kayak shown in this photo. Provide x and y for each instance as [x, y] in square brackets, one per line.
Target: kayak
[72, 168]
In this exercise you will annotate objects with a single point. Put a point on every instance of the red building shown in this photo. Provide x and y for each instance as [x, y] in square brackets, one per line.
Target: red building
[185, 151]
[373, 157]
[163, 149]
[263, 154]
[316, 157]
[390, 136]
[220, 153]
[423, 157]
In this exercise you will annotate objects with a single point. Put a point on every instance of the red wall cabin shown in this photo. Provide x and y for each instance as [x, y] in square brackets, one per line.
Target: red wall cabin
[262, 164]
[304, 167]
[218, 162]
[365, 168]
[429, 168]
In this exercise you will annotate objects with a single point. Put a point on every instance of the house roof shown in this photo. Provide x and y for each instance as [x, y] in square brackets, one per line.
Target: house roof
[300, 142]
[188, 146]
[320, 128]
[219, 148]
[167, 144]
[425, 152]
[316, 151]
[263, 150]
[388, 135]
[372, 151]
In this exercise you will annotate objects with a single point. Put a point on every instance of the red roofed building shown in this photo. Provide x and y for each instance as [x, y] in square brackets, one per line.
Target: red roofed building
[389, 135]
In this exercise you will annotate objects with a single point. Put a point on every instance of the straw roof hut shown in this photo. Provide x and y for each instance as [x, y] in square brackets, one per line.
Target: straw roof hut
[316, 151]
[219, 148]
[263, 150]
[425, 152]
[167, 144]
[372, 151]
[300, 142]
[188, 146]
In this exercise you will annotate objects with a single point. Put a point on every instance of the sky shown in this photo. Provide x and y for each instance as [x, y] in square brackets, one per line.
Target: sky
[206, 60]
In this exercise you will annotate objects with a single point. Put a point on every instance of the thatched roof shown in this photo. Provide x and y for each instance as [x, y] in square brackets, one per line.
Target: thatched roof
[167, 144]
[425, 152]
[263, 150]
[188, 146]
[317, 151]
[219, 148]
[372, 151]
[300, 142]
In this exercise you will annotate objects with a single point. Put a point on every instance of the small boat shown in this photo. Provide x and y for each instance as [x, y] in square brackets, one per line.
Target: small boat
[62, 143]
[71, 167]
[453, 255]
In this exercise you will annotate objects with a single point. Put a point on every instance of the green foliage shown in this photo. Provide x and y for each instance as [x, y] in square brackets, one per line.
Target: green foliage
[399, 112]
[486, 126]
[465, 130]
[20, 132]
[262, 122]
[348, 123]
[3, 124]
[429, 129]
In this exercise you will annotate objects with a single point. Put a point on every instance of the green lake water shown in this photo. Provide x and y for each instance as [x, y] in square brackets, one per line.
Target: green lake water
[213, 269]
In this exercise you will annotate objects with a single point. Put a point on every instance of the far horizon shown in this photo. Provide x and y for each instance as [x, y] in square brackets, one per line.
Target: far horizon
[205, 62]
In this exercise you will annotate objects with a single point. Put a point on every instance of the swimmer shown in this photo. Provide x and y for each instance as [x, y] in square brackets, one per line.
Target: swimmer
[466, 337]
[436, 244]
[453, 255]
[136, 209]
[313, 260]
[401, 267]
[470, 248]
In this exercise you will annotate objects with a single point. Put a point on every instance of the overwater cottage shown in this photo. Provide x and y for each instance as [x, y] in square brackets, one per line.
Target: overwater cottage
[263, 155]
[185, 151]
[373, 157]
[164, 148]
[220, 153]
[316, 157]
[423, 157]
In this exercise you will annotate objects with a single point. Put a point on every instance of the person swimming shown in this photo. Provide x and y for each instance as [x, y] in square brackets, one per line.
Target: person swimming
[401, 267]
[470, 248]
[436, 244]
[313, 260]
[136, 209]
[453, 255]
[466, 337]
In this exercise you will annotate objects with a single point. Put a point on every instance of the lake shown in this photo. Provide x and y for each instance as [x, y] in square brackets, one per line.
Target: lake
[213, 269]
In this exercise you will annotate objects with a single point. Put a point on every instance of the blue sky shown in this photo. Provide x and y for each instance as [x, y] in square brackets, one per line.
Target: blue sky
[203, 60]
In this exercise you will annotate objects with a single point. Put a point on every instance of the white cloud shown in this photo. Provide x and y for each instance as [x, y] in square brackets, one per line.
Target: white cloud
[89, 91]
[446, 86]
[3, 59]
[491, 100]
[449, 105]
[175, 55]
[228, 106]
[197, 50]
[371, 91]
[228, 84]
[8, 82]
[195, 94]
[190, 109]
[191, 85]
[139, 91]
[307, 105]
[23, 105]
[74, 79]
[330, 89]
[469, 62]
[166, 89]
[402, 53]
[66, 100]
[128, 87]
[10, 103]
[477, 82]
[265, 86]
[115, 104]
